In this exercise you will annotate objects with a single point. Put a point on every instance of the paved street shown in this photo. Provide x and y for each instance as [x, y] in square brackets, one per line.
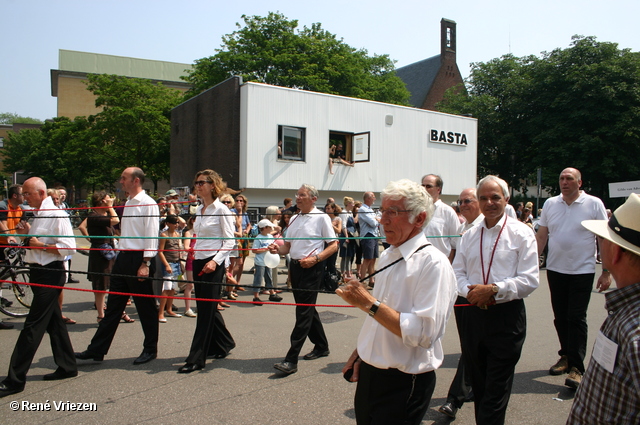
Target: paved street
[244, 387]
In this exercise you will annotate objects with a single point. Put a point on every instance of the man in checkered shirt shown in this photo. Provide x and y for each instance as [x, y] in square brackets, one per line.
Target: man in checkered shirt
[610, 390]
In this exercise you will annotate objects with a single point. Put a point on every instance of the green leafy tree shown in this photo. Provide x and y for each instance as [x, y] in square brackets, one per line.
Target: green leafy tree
[133, 128]
[270, 50]
[574, 107]
[48, 152]
[12, 118]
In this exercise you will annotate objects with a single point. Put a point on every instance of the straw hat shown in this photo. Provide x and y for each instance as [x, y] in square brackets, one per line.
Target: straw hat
[623, 228]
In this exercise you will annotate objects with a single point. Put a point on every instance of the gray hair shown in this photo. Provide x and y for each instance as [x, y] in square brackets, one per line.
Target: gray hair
[416, 198]
[313, 192]
[503, 184]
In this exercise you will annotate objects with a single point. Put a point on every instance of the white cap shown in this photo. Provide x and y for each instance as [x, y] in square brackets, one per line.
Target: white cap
[265, 223]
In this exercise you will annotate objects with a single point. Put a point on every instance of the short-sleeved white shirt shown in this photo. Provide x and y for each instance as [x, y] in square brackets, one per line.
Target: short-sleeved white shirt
[572, 248]
[307, 234]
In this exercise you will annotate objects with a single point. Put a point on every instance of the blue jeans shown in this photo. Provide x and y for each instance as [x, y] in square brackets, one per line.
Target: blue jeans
[260, 272]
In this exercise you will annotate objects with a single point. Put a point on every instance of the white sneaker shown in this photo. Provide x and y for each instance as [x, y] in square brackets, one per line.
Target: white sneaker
[189, 313]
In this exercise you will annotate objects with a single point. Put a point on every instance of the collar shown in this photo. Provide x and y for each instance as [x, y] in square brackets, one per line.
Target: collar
[138, 198]
[619, 298]
[47, 204]
[410, 246]
[579, 200]
[498, 225]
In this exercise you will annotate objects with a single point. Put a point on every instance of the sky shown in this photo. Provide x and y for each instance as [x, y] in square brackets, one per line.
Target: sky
[183, 31]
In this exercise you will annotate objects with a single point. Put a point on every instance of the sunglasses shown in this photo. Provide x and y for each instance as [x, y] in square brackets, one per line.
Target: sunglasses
[226, 202]
[202, 182]
[465, 201]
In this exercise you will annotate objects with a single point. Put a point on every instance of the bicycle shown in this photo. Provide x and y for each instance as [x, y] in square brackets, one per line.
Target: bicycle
[15, 295]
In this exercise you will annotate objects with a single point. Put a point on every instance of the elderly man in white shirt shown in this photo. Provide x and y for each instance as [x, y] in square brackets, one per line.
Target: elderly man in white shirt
[138, 245]
[399, 347]
[496, 266]
[47, 250]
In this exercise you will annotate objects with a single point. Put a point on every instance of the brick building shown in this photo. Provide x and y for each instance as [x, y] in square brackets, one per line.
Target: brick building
[428, 79]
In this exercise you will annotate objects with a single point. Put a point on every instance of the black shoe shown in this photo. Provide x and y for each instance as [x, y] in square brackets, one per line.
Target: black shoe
[189, 367]
[220, 356]
[5, 302]
[315, 354]
[72, 280]
[145, 358]
[274, 297]
[60, 374]
[5, 325]
[88, 355]
[448, 409]
[257, 301]
[286, 367]
[6, 389]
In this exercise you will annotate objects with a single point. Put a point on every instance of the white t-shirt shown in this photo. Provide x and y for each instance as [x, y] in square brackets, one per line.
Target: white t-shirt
[572, 248]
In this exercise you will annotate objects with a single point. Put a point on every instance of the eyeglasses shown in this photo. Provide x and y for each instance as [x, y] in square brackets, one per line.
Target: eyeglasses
[391, 212]
[465, 201]
[202, 182]
[239, 200]
[226, 202]
[428, 186]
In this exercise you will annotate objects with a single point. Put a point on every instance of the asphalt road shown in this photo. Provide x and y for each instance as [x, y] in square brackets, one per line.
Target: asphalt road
[244, 388]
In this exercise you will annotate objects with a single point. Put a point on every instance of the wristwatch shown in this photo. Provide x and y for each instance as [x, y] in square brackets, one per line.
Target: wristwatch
[374, 308]
[494, 288]
[148, 263]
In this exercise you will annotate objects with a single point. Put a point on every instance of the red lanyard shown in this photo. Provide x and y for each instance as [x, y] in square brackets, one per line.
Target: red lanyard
[485, 278]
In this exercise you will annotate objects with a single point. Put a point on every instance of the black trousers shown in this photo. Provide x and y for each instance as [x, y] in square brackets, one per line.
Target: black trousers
[461, 384]
[308, 322]
[211, 335]
[44, 316]
[391, 397]
[491, 345]
[570, 295]
[127, 263]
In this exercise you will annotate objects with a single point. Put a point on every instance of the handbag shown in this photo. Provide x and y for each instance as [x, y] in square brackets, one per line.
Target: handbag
[107, 251]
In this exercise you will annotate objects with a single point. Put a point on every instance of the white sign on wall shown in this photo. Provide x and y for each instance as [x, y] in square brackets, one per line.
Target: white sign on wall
[624, 189]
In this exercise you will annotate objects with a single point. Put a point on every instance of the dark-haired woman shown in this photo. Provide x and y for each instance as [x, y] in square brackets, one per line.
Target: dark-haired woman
[214, 228]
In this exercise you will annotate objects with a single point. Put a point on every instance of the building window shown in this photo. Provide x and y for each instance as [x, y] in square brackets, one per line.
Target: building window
[291, 143]
[354, 145]
[1, 142]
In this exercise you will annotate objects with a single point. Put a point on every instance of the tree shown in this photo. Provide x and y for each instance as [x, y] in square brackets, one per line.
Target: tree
[575, 107]
[133, 128]
[13, 118]
[270, 50]
[50, 152]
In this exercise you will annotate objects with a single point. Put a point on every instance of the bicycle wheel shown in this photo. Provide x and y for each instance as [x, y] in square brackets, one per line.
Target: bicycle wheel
[16, 297]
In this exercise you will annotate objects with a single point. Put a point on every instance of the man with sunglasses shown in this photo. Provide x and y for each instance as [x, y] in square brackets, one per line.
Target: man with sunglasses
[444, 227]
[131, 271]
[460, 389]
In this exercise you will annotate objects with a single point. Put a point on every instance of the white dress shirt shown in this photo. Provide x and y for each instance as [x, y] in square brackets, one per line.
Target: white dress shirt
[313, 230]
[444, 222]
[214, 229]
[423, 289]
[51, 226]
[466, 226]
[140, 220]
[515, 264]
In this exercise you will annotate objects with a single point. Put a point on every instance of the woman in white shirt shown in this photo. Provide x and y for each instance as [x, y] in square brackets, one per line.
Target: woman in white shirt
[214, 227]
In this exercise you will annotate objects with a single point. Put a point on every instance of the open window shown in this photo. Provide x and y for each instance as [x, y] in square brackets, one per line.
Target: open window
[291, 143]
[354, 146]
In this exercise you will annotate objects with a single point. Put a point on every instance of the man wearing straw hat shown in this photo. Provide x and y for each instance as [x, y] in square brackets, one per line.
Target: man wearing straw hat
[610, 389]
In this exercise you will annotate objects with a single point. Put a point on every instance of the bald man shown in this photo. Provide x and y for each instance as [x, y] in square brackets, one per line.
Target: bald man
[571, 267]
[52, 242]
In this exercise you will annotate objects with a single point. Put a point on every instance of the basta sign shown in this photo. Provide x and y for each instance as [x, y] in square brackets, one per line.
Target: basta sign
[448, 138]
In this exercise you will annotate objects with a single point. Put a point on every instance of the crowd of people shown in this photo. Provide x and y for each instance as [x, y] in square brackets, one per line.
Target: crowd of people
[478, 260]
